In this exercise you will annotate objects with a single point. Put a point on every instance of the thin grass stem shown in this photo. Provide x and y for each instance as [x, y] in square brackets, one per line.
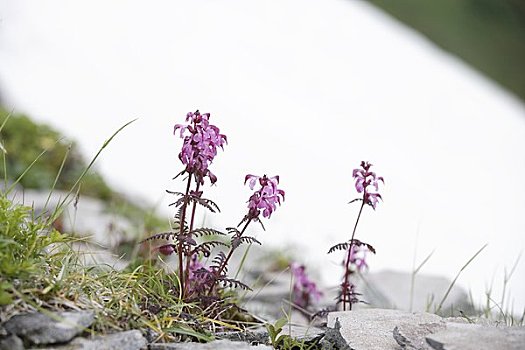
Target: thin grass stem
[413, 278]
[456, 278]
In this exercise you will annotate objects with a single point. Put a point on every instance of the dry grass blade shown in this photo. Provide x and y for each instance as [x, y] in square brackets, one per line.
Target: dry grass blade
[457, 276]
[413, 278]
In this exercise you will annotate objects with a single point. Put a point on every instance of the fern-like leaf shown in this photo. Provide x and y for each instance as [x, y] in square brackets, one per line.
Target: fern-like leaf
[346, 245]
[202, 273]
[162, 235]
[178, 217]
[339, 246]
[178, 194]
[237, 241]
[206, 247]
[232, 283]
[217, 262]
[179, 202]
[233, 230]
[207, 203]
[204, 231]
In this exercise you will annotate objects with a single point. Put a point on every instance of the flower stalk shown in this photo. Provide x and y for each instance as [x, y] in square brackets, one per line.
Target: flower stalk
[346, 283]
[367, 183]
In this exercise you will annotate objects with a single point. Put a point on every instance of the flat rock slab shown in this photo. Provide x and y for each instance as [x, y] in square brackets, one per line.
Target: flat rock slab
[11, 342]
[413, 336]
[129, 340]
[214, 345]
[372, 329]
[41, 329]
[476, 337]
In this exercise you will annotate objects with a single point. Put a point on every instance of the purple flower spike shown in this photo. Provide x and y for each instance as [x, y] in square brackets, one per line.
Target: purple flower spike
[305, 291]
[364, 181]
[266, 198]
[200, 145]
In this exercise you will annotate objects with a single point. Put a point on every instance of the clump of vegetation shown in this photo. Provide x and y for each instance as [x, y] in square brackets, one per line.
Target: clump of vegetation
[206, 285]
[40, 270]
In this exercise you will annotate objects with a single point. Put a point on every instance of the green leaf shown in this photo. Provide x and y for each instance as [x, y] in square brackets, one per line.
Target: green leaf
[280, 323]
[189, 332]
[5, 297]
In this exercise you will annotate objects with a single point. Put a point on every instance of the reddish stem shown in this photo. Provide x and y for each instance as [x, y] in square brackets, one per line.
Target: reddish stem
[181, 225]
[345, 284]
[188, 257]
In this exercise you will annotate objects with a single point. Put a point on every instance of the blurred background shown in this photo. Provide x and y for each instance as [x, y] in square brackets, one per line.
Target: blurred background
[431, 93]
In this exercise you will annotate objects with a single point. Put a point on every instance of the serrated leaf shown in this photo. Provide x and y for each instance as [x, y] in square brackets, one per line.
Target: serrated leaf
[204, 231]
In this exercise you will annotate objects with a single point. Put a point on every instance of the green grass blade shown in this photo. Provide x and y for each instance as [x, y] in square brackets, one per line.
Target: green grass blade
[57, 176]
[90, 165]
[25, 171]
[189, 332]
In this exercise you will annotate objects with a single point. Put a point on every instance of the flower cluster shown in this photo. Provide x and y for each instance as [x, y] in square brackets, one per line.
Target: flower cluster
[266, 198]
[305, 291]
[365, 180]
[200, 145]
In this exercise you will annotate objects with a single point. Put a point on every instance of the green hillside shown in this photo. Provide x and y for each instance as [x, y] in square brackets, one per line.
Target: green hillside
[487, 34]
[25, 139]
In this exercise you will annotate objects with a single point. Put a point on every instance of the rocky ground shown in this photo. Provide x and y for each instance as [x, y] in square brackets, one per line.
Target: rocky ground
[384, 323]
[366, 329]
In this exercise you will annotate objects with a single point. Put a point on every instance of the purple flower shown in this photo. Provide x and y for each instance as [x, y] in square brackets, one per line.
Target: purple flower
[305, 291]
[195, 265]
[201, 140]
[364, 181]
[264, 199]
[358, 257]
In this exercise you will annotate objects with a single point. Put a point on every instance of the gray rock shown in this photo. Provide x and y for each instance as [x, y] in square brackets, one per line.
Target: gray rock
[413, 336]
[259, 336]
[391, 290]
[371, 329]
[129, 340]
[459, 336]
[11, 342]
[40, 329]
[333, 340]
[302, 333]
[214, 345]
